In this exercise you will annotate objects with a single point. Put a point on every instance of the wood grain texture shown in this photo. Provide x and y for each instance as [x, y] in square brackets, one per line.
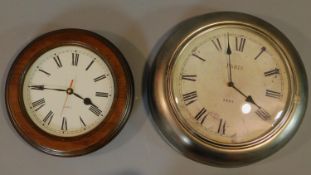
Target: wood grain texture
[102, 134]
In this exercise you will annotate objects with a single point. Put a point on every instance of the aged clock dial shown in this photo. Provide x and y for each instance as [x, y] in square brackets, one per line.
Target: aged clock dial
[69, 92]
[227, 89]
[233, 69]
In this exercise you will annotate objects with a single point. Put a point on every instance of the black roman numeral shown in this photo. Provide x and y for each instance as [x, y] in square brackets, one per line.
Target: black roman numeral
[95, 110]
[57, 61]
[273, 94]
[190, 97]
[100, 78]
[64, 124]
[261, 51]
[45, 72]
[272, 72]
[201, 115]
[217, 44]
[75, 59]
[38, 104]
[87, 68]
[189, 77]
[48, 118]
[263, 114]
[82, 122]
[239, 44]
[101, 94]
[197, 56]
[222, 127]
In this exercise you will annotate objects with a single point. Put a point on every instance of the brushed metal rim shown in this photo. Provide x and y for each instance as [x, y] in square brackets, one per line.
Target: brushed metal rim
[190, 145]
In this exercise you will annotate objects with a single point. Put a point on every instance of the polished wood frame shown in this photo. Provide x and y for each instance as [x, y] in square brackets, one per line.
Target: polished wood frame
[104, 132]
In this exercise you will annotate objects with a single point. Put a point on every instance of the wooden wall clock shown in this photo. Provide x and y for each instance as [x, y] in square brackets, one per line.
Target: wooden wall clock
[69, 92]
[227, 89]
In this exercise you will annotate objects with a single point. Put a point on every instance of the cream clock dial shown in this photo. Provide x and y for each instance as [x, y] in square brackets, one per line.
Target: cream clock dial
[230, 85]
[227, 89]
[68, 91]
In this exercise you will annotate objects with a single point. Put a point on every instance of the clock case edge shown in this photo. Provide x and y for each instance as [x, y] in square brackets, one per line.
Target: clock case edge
[178, 137]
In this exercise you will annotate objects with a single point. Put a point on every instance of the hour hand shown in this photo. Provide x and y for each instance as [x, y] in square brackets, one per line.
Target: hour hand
[86, 101]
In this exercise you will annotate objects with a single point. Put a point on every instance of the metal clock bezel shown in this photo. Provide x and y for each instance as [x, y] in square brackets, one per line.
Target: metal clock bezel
[190, 144]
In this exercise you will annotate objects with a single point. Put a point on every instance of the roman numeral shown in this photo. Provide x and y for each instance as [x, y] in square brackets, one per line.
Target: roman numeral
[239, 44]
[100, 78]
[263, 114]
[64, 124]
[45, 72]
[87, 68]
[197, 56]
[95, 110]
[201, 115]
[82, 122]
[273, 94]
[190, 97]
[222, 127]
[217, 44]
[101, 94]
[38, 104]
[189, 77]
[75, 59]
[261, 51]
[57, 61]
[37, 87]
[48, 118]
[272, 72]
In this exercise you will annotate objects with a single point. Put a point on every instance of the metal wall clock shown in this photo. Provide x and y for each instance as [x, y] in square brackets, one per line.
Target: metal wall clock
[69, 92]
[227, 89]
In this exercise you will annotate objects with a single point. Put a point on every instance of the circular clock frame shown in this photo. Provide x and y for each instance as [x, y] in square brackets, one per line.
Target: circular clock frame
[101, 134]
[180, 137]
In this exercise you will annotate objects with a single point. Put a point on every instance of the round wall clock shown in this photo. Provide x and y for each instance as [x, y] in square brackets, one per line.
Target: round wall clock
[227, 89]
[69, 92]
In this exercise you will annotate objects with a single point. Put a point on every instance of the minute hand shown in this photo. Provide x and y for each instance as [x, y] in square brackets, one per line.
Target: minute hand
[41, 87]
[228, 52]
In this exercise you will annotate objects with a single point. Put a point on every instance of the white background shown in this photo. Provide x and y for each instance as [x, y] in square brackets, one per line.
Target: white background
[137, 27]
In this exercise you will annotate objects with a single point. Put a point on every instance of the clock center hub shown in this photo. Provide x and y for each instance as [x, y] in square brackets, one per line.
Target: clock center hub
[69, 91]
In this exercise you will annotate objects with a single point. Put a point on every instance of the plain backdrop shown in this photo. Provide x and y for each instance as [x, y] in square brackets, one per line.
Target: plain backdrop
[136, 27]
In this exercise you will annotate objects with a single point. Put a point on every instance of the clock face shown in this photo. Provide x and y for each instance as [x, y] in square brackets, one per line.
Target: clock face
[227, 89]
[68, 91]
[230, 85]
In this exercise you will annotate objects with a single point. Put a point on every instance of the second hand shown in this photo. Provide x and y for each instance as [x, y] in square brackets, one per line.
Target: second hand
[66, 98]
